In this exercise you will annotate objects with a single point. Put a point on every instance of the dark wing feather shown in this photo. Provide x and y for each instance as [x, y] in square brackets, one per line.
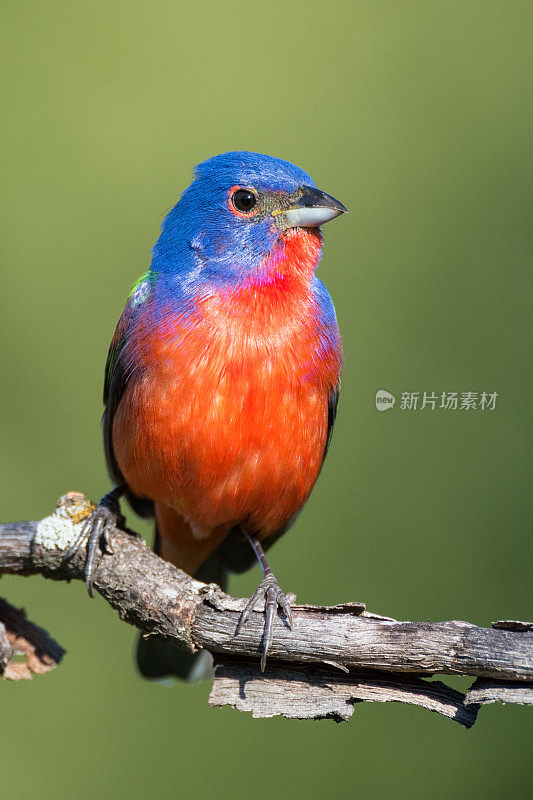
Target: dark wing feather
[117, 374]
[333, 402]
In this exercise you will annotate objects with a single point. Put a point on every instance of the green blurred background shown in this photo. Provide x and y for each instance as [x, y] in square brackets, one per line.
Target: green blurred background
[415, 114]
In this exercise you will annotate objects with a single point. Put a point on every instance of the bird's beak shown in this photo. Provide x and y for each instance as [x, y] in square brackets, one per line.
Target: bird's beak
[311, 209]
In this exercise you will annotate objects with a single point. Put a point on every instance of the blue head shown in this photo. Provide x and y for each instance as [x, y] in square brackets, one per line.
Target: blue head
[233, 214]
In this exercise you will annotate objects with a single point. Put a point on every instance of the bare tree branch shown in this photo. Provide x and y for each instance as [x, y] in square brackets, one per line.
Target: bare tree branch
[485, 690]
[335, 655]
[20, 637]
[6, 651]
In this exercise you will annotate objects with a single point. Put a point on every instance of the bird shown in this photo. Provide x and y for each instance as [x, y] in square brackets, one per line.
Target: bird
[222, 382]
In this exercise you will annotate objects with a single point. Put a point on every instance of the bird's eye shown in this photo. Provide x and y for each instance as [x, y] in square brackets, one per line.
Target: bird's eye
[243, 201]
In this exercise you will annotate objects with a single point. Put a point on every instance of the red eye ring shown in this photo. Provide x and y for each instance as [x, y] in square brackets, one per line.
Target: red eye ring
[243, 201]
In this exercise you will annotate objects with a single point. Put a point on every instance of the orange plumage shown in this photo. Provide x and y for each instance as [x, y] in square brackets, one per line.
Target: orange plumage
[229, 421]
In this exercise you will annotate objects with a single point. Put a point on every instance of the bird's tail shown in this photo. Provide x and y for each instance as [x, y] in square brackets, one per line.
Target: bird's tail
[157, 658]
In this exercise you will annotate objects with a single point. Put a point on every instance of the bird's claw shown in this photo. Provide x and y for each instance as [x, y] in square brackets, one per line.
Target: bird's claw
[96, 533]
[274, 598]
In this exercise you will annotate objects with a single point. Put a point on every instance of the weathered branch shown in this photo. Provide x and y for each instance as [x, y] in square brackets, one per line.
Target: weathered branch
[20, 637]
[333, 657]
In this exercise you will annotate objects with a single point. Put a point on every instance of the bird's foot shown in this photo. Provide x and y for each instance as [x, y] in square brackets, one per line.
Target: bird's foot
[96, 531]
[274, 598]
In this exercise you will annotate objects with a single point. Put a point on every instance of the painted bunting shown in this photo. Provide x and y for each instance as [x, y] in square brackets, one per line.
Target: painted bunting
[222, 381]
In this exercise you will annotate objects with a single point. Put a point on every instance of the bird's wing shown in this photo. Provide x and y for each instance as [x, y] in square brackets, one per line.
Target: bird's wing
[118, 372]
[333, 402]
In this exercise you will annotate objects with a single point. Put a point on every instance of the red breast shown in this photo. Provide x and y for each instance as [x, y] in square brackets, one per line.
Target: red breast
[229, 421]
